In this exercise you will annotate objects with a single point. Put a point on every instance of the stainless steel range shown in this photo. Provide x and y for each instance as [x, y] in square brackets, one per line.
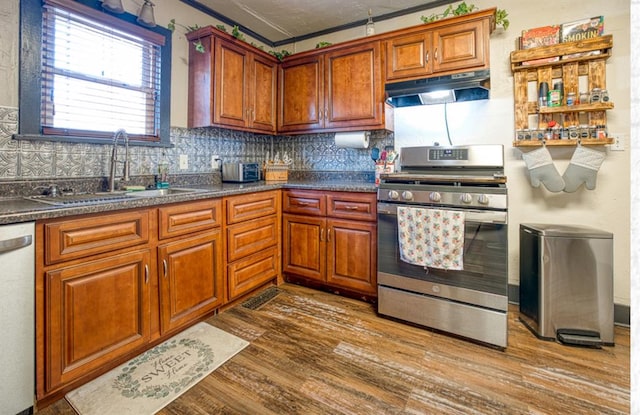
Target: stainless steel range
[469, 302]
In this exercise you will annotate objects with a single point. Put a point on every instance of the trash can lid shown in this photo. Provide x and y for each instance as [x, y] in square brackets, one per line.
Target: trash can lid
[567, 231]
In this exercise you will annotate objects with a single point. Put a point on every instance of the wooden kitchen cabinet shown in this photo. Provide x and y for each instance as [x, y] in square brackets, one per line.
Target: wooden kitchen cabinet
[111, 284]
[253, 235]
[191, 279]
[337, 90]
[94, 284]
[331, 238]
[232, 84]
[440, 48]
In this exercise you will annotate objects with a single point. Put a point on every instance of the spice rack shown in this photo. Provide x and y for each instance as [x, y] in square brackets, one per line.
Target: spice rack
[585, 58]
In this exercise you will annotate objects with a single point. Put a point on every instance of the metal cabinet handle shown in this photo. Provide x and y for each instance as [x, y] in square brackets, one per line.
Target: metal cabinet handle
[321, 234]
[329, 235]
[164, 267]
[146, 274]
[15, 243]
[426, 58]
[435, 54]
[351, 207]
[302, 204]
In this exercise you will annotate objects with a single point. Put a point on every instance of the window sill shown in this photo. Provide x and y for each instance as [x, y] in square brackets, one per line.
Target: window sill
[86, 140]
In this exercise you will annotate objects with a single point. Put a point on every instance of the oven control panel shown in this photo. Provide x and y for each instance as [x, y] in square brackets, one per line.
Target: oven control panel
[448, 154]
[446, 198]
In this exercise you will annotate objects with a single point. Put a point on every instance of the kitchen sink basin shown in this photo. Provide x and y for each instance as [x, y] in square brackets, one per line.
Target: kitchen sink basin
[107, 197]
[162, 192]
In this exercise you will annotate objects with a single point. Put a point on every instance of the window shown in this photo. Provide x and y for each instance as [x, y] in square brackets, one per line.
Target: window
[97, 74]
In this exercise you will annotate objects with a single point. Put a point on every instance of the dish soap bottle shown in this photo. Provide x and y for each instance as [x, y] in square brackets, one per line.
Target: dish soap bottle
[163, 173]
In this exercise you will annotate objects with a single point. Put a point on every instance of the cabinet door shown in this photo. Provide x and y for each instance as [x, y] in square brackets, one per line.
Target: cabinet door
[191, 279]
[353, 87]
[304, 246]
[462, 46]
[351, 255]
[409, 56]
[97, 311]
[262, 94]
[301, 94]
[231, 84]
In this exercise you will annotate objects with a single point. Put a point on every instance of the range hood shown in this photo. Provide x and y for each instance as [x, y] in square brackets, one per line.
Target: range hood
[467, 86]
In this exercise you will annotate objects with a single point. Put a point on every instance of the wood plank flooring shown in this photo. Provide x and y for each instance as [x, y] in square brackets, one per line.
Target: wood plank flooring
[317, 353]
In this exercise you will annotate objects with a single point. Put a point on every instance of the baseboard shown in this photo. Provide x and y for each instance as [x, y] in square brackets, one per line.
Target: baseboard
[621, 313]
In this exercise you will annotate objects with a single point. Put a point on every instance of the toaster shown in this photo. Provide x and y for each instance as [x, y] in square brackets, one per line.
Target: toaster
[240, 172]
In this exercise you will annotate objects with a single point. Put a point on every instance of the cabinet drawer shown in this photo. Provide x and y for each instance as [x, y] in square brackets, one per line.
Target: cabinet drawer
[252, 236]
[252, 206]
[304, 202]
[77, 238]
[252, 271]
[357, 206]
[187, 218]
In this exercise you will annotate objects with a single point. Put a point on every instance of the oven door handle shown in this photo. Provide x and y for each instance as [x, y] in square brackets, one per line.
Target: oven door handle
[470, 215]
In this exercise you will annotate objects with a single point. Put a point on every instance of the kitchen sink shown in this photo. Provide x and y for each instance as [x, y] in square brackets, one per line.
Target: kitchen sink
[107, 197]
[162, 192]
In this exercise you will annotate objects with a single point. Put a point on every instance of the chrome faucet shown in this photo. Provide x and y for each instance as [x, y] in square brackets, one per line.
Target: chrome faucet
[114, 159]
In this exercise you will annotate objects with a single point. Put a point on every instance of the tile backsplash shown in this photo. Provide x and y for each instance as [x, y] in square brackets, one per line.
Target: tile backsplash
[27, 159]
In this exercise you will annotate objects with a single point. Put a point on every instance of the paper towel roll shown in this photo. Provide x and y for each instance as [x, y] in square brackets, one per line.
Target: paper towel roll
[356, 139]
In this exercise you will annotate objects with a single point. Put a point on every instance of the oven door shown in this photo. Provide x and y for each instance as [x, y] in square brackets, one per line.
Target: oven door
[483, 281]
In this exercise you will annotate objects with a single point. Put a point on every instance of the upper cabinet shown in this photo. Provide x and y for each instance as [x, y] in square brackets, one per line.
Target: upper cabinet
[232, 84]
[448, 46]
[338, 90]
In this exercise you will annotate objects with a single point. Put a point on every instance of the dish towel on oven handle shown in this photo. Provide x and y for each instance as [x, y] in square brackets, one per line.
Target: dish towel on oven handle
[431, 237]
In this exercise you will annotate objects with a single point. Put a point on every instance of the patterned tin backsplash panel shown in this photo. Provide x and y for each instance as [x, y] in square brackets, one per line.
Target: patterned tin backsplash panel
[26, 159]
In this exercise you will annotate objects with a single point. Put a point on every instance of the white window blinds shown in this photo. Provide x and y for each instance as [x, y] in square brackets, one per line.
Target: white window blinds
[97, 77]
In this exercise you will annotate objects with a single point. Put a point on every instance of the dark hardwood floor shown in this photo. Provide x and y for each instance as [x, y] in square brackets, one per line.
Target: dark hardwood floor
[317, 353]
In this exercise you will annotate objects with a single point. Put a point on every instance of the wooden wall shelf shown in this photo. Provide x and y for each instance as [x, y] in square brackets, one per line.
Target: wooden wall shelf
[560, 143]
[574, 61]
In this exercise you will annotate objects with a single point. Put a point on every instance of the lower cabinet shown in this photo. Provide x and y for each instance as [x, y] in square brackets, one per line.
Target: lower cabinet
[191, 279]
[108, 285]
[252, 230]
[330, 238]
[96, 311]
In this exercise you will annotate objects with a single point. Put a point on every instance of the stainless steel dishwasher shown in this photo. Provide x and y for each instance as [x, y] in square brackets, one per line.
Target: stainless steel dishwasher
[17, 318]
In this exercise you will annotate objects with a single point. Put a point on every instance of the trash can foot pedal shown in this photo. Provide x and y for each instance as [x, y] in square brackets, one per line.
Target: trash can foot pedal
[578, 337]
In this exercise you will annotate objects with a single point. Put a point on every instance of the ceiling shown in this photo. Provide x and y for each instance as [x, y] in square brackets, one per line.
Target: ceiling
[278, 22]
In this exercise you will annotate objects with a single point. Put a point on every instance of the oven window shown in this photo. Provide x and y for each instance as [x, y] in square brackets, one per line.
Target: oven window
[485, 257]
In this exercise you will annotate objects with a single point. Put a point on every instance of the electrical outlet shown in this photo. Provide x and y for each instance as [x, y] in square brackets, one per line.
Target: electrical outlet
[618, 144]
[215, 162]
[184, 162]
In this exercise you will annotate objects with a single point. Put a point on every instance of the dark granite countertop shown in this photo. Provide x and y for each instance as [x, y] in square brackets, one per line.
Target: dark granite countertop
[19, 209]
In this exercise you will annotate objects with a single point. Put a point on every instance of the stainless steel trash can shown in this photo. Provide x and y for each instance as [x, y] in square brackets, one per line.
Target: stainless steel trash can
[566, 283]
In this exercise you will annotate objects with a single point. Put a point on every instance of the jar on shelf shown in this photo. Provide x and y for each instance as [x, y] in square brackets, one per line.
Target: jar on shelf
[538, 134]
[519, 135]
[571, 98]
[583, 131]
[601, 132]
[527, 134]
[585, 98]
[596, 95]
[573, 133]
[604, 96]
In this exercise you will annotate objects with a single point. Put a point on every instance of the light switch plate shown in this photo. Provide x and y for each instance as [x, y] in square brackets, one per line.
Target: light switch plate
[184, 162]
[618, 144]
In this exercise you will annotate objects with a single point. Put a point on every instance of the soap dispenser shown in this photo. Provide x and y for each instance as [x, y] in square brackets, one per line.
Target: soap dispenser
[163, 173]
